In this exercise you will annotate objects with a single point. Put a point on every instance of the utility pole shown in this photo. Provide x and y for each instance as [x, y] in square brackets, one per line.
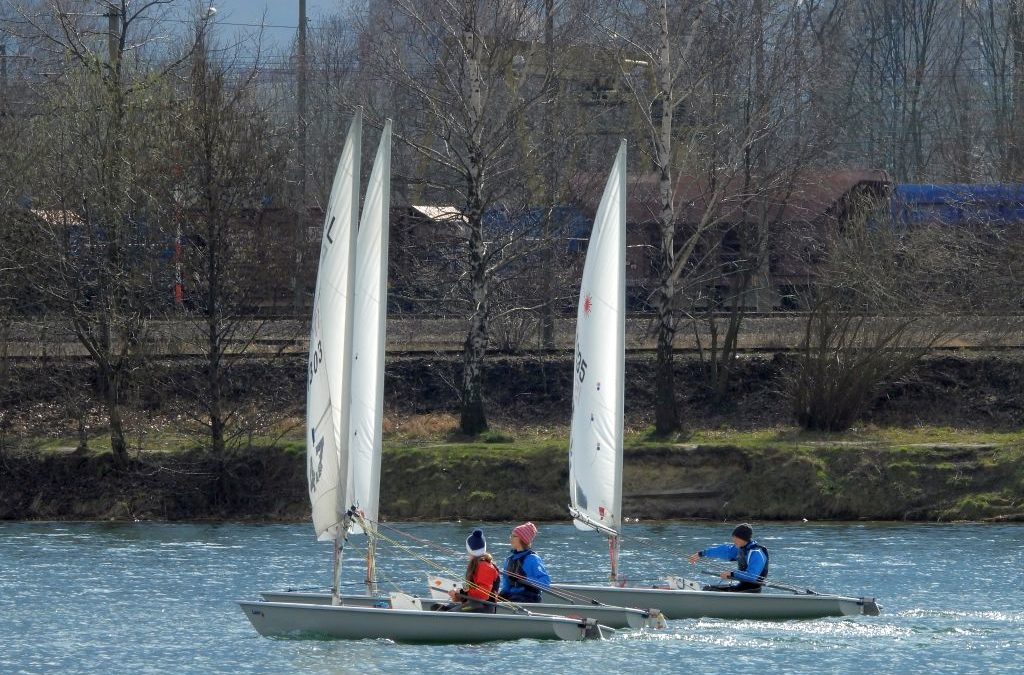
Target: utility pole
[4, 91]
[1014, 165]
[547, 319]
[300, 227]
[113, 37]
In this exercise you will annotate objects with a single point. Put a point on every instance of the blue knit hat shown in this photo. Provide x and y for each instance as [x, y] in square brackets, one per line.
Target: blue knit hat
[476, 544]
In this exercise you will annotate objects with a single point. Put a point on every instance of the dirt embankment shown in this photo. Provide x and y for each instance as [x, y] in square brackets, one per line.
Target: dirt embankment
[39, 400]
[660, 482]
[978, 392]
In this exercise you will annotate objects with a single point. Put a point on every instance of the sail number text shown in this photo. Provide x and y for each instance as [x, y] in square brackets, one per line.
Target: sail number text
[316, 357]
[581, 366]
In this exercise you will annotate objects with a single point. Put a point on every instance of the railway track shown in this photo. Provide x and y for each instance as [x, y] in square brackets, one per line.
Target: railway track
[765, 333]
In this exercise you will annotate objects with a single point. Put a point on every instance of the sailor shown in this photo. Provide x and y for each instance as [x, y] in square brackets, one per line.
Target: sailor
[482, 576]
[524, 574]
[751, 561]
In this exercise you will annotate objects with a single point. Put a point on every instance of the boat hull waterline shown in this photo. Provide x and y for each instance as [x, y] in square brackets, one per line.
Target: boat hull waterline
[687, 604]
[349, 622]
[606, 615]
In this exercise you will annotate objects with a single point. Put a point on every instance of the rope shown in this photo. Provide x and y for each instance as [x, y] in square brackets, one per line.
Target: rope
[718, 567]
[576, 598]
[437, 566]
[386, 580]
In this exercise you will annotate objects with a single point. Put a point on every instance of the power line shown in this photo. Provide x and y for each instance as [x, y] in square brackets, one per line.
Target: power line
[309, 27]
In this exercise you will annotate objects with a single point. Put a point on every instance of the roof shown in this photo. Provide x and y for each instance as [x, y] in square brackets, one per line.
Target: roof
[57, 216]
[440, 213]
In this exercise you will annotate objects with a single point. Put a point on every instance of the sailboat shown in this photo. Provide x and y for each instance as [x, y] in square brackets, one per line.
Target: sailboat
[344, 401]
[596, 442]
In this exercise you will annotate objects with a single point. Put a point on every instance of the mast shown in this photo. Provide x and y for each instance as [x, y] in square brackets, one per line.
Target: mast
[620, 351]
[344, 400]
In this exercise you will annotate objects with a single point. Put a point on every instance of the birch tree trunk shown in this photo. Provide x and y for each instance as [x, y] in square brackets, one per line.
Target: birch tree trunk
[666, 412]
[473, 418]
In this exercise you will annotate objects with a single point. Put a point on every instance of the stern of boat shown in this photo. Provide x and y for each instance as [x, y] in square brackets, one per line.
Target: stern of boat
[869, 607]
[583, 629]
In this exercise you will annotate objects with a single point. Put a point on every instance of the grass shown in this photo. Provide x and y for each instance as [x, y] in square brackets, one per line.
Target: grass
[438, 432]
[152, 442]
[795, 438]
[414, 427]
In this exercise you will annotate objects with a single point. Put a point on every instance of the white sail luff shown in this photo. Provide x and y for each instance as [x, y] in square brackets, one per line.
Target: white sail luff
[620, 336]
[596, 435]
[345, 387]
[328, 376]
[368, 342]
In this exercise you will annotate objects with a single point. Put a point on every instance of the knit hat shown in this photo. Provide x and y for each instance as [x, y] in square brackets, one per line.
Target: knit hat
[744, 532]
[526, 532]
[476, 544]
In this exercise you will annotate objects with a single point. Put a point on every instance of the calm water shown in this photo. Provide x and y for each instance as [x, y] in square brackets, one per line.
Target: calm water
[159, 598]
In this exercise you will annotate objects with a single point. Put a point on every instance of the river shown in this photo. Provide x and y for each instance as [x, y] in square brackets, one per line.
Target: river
[158, 598]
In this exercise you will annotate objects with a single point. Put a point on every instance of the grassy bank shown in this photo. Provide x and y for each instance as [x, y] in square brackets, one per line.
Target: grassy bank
[924, 473]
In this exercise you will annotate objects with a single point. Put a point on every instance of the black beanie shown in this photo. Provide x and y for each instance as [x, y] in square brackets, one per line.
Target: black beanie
[744, 532]
[476, 544]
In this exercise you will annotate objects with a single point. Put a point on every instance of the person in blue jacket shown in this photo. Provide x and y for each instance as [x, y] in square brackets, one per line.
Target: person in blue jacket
[751, 561]
[523, 576]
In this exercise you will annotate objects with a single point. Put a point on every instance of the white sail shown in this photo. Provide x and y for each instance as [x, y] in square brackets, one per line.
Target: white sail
[327, 387]
[368, 337]
[595, 440]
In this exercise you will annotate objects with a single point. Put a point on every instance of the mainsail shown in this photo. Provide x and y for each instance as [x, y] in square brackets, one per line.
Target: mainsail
[595, 440]
[368, 338]
[328, 377]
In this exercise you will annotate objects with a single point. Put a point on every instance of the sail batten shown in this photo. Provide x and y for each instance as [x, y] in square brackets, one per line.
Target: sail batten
[328, 376]
[596, 435]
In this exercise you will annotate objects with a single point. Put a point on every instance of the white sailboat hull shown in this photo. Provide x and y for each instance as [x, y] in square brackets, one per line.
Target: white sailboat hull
[684, 604]
[606, 615]
[352, 622]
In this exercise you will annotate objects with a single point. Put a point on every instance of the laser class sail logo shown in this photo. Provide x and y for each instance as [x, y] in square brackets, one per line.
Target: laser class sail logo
[587, 304]
[316, 467]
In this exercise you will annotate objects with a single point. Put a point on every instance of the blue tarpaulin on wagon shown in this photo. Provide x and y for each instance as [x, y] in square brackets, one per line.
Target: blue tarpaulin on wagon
[957, 204]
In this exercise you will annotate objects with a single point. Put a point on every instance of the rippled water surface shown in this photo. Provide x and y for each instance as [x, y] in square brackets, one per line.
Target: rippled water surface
[160, 598]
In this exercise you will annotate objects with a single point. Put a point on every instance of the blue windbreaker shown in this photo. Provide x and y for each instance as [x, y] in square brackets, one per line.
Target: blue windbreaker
[756, 560]
[533, 570]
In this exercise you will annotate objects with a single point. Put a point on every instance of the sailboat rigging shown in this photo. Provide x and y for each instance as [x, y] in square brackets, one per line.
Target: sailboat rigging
[344, 407]
[596, 433]
[596, 440]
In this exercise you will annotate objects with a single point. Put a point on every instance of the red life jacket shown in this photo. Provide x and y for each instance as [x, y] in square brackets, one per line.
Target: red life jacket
[485, 582]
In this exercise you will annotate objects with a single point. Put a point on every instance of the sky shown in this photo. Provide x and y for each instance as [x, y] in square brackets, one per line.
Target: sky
[242, 18]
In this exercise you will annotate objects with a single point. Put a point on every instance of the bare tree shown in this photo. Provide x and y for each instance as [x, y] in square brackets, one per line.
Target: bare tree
[103, 225]
[989, 88]
[226, 157]
[718, 117]
[468, 75]
[892, 92]
[884, 297]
